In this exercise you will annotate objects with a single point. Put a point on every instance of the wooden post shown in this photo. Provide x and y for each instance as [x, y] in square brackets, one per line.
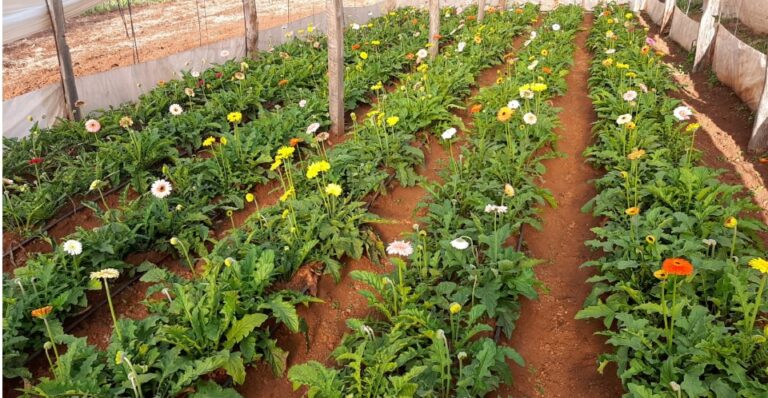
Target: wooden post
[707, 33]
[759, 140]
[251, 29]
[480, 10]
[56, 12]
[336, 65]
[434, 28]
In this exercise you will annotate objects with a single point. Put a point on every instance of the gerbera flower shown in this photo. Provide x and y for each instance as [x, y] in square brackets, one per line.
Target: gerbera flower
[285, 152]
[235, 117]
[759, 264]
[514, 104]
[72, 247]
[295, 141]
[610, 51]
[92, 126]
[356, 46]
[355, 26]
[316, 168]
[320, 137]
[460, 243]
[682, 113]
[175, 109]
[239, 75]
[333, 189]
[476, 108]
[106, 273]
[489, 208]
[509, 190]
[460, 46]
[677, 266]
[650, 41]
[209, 141]
[636, 154]
[282, 82]
[530, 118]
[526, 94]
[650, 239]
[400, 248]
[302, 103]
[364, 55]
[630, 95]
[34, 161]
[249, 197]
[312, 128]
[422, 53]
[42, 312]
[454, 308]
[125, 122]
[448, 134]
[731, 222]
[624, 119]
[632, 211]
[504, 114]
[660, 274]
[533, 65]
[189, 92]
[161, 189]
[223, 140]
[555, 27]
[287, 195]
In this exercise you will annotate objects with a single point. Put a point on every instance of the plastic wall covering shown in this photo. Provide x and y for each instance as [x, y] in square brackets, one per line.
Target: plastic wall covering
[23, 18]
[119, 85]
[740, 67]
[655, 10]
[683, 30]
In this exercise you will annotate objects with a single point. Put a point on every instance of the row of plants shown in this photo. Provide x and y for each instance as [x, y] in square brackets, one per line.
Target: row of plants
[455, 275]
[222, 321]
[51, 166]
[680, 284]
[191, 193]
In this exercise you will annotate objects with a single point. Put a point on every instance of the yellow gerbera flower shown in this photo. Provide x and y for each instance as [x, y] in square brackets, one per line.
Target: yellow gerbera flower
[504, 114]
[249, 197]
[333, 189]
[287, 195]
[209, 141]
[223, 140]
[731, 222]
[235, 117]
[316, 168]
[759, 264]
[392, 120]
[538, 87]
[278, 162]
[632, 211]
[285, 152]
[636, 154]
[364, 55]
[660, 274]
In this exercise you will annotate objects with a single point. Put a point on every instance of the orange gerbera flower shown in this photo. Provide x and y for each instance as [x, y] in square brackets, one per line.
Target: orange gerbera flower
[42, 312]
[547, 70]
[518, 11]
[282, 83]
[438, 36]
[476, 108]
[415, 21]
[607, 13]
[677, 266]
[296, 141]
[410, 56]
[356, 46]
[471, 18]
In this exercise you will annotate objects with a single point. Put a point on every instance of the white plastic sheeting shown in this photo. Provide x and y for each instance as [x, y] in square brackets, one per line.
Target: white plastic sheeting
[43, 105]
[22, 18]
[655, 9]
[740, 67]
[683, 30]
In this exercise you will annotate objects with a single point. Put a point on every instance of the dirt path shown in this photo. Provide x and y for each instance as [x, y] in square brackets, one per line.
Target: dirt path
[560, 352]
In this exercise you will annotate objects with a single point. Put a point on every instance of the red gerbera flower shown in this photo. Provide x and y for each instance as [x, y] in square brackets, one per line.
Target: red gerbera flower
[677, 266]
[35, 161]
[219, 75]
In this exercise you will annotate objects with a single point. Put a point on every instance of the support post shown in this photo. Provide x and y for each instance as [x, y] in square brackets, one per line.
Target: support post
[669, 8]
[759, 140]
[336, 65]
[480, 10]
[56, 12]
[251, 29]
[707, 32]
[434, 28]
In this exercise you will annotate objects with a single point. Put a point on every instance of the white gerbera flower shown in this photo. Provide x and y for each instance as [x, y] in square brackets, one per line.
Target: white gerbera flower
[460, 47]
[460, 243]
[610, 51]
[526, 94]
[682, 113]
[533, 65]
[72, 247]
[530, 118]
[448, 134]
[534, 34]
[313, 127]
[355, 26]
[195, 73]
[624, 119]
[302, 103]
[400, 248]
[161, 189]
[92, 126]
[556, 27]
[106, 273]
[630, 95]
[489, 208]
[514, 104]
[175, 109]
[422, 53]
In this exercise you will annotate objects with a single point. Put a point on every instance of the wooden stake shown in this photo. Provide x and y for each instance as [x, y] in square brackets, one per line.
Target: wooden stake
[336, 65]
[480, 10]
[434, 27]
[56, 12]
[251, 29]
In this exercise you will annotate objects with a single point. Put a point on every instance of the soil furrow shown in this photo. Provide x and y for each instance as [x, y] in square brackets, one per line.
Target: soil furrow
[560, 352]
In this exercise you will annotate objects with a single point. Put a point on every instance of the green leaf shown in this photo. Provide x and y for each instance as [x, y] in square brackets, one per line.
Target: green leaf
[243, 327]
[284, 311]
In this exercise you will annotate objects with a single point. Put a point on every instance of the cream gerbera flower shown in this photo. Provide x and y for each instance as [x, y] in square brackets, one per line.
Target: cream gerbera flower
[175, 109]
[313, 127]
[72, 247]
[682, 113]
[460, 243]
[106, 273]
[530, 118]
[624, 119]
[448, 134]
[161, 189]
[630, 95]
[400, 248]
[92, 126]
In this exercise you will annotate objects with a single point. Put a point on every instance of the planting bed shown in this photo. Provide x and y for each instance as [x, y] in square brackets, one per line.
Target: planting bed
[434, 249]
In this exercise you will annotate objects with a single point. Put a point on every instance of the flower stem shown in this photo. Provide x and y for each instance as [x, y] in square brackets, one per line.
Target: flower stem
[50, 336]
[112, 310]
